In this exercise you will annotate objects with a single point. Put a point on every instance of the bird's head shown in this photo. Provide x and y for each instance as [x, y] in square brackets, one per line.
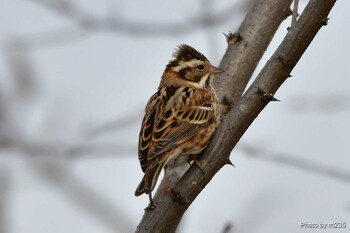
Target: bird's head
[190, 66]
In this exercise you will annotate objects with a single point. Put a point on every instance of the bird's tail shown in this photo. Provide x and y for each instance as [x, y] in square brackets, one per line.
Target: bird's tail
[150, 178]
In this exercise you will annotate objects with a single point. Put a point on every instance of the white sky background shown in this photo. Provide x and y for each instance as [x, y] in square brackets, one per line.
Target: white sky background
[99, 77]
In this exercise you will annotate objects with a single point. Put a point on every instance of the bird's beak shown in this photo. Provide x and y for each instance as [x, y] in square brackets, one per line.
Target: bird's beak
[214, 70]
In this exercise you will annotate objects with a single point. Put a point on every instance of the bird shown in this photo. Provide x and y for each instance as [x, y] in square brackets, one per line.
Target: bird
[180, 118]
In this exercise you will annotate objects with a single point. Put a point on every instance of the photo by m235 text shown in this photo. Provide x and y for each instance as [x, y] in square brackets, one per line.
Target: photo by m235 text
[322, 225]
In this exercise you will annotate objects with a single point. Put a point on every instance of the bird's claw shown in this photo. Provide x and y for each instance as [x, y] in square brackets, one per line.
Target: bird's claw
[151, 206]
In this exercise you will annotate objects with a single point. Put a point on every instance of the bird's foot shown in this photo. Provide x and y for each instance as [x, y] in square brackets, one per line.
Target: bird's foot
[152, 205]
[196, 161]
[198, 164]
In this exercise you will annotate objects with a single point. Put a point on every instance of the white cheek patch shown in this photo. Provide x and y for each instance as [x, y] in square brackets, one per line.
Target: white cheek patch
[203, 80]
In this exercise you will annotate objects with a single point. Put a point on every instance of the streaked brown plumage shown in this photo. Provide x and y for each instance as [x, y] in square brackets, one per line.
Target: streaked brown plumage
[180, 117]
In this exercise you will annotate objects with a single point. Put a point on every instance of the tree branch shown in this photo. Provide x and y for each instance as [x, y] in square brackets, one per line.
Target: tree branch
[167, 215]
[245, 49]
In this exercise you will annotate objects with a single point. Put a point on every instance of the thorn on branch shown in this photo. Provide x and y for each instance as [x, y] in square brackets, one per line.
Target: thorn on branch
[233, 38]
[266, 96]
[289, 76]
[324, 22]
[229, 162]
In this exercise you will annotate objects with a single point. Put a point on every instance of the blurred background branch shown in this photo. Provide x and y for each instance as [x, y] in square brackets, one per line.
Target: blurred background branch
[326, 103]
[296, 161]
[5, 185]
[115, 23]
[57, 173]
[228, 228]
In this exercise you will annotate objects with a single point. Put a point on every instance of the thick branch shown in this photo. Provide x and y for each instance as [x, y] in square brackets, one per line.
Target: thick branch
[256, 32]
[237, 121]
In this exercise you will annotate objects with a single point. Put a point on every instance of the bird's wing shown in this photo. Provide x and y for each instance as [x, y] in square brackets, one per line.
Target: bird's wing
[146, 132]
[181, 121]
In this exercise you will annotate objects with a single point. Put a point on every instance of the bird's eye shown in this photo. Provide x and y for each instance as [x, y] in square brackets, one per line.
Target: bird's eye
[200, 67]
